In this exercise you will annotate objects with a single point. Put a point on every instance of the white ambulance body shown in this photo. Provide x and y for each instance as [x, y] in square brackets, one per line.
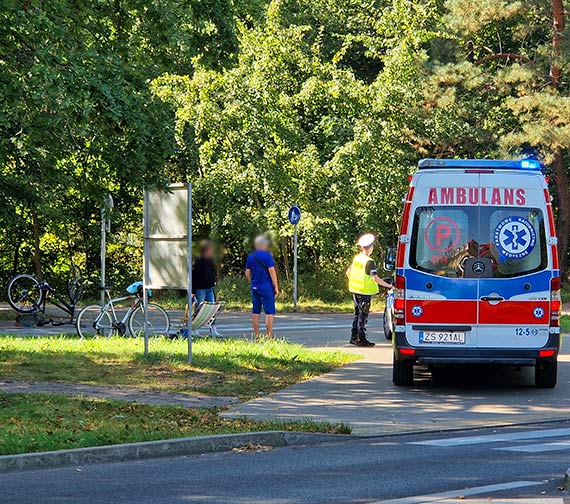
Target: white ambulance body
[477, 272]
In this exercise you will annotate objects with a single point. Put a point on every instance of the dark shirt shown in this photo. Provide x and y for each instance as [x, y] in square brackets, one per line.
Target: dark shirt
[203, 274]
[259, 262]
[370, 268]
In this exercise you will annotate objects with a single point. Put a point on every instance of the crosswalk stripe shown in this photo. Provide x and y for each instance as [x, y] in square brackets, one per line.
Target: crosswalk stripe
[464, 492]
[494, 438]
[537, 448]
[546, 500]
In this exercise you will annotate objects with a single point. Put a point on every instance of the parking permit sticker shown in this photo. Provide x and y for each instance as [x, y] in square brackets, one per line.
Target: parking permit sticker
[442, 234]
[514, 237]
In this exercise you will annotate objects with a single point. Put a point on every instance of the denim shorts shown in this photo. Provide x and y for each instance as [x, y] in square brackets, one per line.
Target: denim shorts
[263, 297]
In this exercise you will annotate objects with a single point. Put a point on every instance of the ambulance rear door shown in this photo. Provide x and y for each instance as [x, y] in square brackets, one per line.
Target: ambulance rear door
[441, 302]
[512, 264]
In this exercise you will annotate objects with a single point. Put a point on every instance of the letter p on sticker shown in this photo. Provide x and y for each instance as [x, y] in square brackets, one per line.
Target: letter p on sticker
[442, 232]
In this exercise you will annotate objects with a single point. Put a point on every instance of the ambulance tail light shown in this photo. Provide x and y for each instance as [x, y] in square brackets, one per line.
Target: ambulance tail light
[399, 300]
[543, 354]
[555, 302]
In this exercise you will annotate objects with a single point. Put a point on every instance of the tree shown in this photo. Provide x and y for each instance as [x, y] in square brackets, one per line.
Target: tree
[312, 113]
[77, 118]
[497, 86]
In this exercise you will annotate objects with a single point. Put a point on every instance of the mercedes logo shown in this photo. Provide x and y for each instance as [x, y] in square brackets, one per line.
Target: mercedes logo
[478, 268]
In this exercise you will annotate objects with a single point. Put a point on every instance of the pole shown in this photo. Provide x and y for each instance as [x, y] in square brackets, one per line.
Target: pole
[103, 250]
[189, 241]
[146, 265]
[295, 269]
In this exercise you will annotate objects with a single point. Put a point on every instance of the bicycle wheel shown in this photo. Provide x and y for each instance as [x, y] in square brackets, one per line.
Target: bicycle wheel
[158, 320]
[74, 284]
[25, 294]
[92, 322]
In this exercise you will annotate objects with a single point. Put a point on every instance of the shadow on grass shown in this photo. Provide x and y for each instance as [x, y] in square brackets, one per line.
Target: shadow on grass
[229, 367]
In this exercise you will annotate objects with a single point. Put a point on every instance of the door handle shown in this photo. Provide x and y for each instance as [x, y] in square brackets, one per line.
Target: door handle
[492, 298]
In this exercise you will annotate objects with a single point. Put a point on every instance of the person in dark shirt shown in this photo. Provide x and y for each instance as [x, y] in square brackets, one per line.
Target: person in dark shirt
[204, 277]
[260, 271]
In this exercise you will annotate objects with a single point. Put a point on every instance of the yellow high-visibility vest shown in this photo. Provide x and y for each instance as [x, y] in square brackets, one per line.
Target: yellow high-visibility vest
[360, 282]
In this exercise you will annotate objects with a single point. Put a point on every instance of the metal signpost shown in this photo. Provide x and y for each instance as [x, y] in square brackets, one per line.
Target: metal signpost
[167, 258]
[294, 218]
[105, 228]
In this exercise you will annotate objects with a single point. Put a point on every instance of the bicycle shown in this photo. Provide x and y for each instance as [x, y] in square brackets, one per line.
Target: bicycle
[29, 296]
[97, 320]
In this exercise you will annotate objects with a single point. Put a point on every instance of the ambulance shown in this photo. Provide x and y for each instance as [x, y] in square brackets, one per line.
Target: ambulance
[477, 275]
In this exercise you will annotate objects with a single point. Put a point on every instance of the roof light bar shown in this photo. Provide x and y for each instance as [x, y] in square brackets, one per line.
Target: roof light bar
[489, 164]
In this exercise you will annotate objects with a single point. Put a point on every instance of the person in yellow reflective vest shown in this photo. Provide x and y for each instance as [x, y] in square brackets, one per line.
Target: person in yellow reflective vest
[363, 282]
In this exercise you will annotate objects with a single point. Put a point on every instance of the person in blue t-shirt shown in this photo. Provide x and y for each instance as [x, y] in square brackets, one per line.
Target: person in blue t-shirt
[260, 271]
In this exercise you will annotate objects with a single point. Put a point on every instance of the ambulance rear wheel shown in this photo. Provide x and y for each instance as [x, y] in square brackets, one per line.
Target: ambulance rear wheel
[388, 327]
[403, 372]
[545, 374]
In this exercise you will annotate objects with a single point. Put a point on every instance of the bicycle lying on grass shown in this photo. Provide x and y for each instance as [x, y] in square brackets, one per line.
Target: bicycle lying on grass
[105, 321]
[29, 296]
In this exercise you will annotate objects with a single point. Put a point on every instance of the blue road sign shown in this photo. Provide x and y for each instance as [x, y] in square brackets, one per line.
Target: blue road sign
[294, 215]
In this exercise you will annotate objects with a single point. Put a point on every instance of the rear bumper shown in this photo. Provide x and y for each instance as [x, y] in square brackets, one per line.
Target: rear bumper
[496, 356]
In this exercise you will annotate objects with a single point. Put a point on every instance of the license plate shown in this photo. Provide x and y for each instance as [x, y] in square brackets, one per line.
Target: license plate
[456, 338]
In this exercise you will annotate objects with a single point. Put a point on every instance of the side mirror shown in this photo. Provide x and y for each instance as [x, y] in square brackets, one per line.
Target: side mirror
[390, 259]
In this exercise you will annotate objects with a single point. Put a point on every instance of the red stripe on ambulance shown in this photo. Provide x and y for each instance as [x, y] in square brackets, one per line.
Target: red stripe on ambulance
[435, 311]
[401, 251]
[514, 312]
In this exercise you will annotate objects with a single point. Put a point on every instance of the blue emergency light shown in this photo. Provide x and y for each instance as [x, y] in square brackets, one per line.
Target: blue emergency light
[489, 164]
[530, 164]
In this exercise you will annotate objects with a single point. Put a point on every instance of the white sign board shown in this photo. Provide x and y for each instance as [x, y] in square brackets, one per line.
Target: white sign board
[167, 257]
[166, 238]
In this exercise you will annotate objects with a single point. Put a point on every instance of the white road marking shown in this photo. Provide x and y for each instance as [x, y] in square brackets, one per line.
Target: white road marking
[285, 327]
[537, 448]
[505, 501]
[465, 492]
[494, 438]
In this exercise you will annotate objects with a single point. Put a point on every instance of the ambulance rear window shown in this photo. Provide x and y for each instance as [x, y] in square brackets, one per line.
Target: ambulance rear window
[444, 237]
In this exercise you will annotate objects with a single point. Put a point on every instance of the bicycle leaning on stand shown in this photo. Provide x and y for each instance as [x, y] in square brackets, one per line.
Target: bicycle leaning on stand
[95, 320]
[29, 296]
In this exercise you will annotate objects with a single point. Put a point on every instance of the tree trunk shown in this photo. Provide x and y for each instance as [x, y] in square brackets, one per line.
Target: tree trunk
[563, 221]
[558, 24]
[558, 168]
[37, 253]
[16, 261]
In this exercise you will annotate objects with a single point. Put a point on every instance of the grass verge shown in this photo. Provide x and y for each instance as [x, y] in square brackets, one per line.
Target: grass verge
[43, 422]
[565, 323]
[238, 368]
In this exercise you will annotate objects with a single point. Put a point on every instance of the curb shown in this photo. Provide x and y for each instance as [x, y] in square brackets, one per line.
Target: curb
[163, 448]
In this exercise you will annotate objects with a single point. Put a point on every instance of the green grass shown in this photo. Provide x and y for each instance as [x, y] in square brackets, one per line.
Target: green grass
[228, 367]
[43, 422]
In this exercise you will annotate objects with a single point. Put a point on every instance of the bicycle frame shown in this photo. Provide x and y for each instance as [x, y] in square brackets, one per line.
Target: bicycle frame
[110, 305]
[48, 295]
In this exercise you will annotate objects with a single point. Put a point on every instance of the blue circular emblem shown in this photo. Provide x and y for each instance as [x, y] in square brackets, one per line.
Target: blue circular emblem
[514, 237]
[417, 311]
[538, 312]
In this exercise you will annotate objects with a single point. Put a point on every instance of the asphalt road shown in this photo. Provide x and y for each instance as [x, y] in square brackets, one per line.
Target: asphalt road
[510, 462]
[313, 330]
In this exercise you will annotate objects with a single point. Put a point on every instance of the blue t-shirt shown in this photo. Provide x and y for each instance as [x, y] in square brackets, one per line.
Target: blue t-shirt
[258, 262]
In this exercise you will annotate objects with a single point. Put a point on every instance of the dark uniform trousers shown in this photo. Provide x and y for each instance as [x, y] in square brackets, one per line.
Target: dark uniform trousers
[361, 311]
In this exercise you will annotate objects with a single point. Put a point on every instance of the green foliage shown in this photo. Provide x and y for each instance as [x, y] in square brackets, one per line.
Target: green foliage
[303, 118]
[327, 104]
